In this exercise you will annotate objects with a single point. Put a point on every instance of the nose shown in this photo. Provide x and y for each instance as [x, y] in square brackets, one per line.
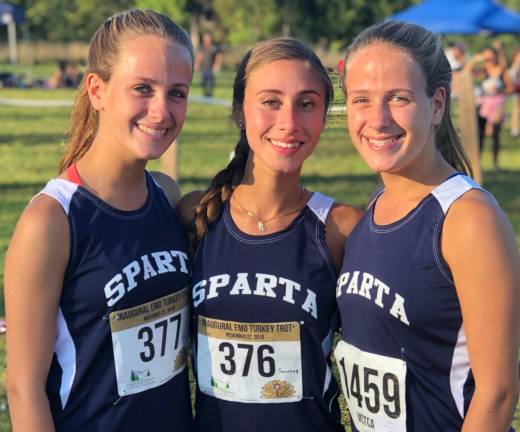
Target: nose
[158, 109]
[380, 116]
[288, 119]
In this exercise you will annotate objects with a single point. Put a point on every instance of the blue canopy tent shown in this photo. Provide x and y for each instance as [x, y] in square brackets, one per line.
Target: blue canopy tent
[11, 15]
[461, 16]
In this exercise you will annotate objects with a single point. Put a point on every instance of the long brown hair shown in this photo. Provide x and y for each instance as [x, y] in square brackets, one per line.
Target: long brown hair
[426, 49]
[103, 55]
[223, 184]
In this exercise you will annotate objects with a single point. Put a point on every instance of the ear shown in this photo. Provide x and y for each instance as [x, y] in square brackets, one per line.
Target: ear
[439, 105]
[95, 90]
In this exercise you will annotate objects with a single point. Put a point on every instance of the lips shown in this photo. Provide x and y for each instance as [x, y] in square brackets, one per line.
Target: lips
[152, 131]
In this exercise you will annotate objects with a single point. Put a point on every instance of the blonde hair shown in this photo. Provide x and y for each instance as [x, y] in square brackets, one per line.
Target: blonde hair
[103, 56]
[223, 184]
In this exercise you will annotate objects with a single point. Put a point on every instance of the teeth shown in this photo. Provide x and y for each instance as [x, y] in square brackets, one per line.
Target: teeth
[380, 143]
[285, 145]
[150, 131]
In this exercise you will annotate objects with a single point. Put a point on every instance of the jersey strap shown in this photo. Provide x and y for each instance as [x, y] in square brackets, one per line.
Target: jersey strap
[73, 175]
[452, 189]
[320, 204]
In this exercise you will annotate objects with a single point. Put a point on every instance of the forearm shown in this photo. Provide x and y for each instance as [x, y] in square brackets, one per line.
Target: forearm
[29, 410]
[491, 411]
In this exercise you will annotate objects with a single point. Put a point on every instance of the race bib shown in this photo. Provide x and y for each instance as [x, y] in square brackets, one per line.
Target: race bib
[374, 387]
[249, 362]
[150, 342]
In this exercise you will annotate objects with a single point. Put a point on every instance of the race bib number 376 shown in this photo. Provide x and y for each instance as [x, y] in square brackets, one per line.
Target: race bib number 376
[374, 387]
[150, 342]
[249, 362]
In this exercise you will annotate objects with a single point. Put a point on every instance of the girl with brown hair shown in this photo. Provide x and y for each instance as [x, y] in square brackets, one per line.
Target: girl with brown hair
[267, 255]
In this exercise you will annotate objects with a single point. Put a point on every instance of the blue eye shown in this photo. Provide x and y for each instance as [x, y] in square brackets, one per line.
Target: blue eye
[142, 89]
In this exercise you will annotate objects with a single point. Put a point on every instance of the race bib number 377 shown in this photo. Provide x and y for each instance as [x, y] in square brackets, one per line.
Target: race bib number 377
[150, 342]
[249, 362]
[374, 387]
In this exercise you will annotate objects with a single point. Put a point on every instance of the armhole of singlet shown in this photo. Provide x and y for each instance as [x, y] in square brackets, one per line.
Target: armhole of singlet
[446, 194]
[73, 175]
[321, 205]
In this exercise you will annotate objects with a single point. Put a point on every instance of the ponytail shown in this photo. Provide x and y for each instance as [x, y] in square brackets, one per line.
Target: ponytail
[82, 129]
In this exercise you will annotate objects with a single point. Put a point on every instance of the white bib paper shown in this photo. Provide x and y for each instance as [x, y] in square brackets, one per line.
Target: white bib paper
[150, 342]
[374, 387]
[249, 362]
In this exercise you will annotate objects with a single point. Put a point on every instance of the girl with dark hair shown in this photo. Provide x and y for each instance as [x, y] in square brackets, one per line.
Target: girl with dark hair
[428, 292]
[266, 259]
[96, 272]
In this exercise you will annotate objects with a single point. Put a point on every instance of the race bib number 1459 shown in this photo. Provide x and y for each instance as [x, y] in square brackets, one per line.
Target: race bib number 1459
[374, 387]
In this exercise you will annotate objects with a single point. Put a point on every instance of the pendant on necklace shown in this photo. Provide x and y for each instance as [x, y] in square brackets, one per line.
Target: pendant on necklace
[261, 226]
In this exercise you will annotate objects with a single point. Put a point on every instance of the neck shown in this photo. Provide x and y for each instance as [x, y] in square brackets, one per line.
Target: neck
[418, 180]
[119, 182]
[267, 193]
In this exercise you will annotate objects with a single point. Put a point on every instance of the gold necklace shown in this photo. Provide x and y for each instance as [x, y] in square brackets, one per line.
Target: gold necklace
[262, 222]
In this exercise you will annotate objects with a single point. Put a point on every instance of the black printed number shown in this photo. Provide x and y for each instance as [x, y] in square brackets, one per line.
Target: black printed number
[365, 388]
[266, 365]
[159, 331]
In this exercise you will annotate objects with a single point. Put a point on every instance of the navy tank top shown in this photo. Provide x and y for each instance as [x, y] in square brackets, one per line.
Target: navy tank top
[403, 358]
[264, 316]
[122, 326]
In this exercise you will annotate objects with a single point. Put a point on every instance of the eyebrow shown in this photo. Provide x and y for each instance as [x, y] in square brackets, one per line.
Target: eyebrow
[275, 91]
[365, 91]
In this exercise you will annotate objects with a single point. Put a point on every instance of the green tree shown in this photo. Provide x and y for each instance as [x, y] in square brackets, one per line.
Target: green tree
[247, 21]
[175, 9]
[69, 20]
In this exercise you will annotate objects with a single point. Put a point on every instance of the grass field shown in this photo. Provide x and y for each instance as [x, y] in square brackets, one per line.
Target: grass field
[31, 141]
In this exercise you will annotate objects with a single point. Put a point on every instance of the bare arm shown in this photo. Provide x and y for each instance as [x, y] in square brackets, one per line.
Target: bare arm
[169, 186]
[187, 206]
[35, 266]
[479, 245]
[341, 221]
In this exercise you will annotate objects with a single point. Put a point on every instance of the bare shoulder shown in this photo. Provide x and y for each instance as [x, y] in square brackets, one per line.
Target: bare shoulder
[187, 205]
[475, 222]
[169, 186]
[475, 212]
[340, 223]
[43, 213]
[343, 218]
[43, 234]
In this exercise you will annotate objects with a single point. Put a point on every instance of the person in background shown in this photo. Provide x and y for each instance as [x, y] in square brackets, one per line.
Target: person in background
[491, 99]
[97, 269]
[207, 62]
[514, 78]
[267, 255]
[429, 289]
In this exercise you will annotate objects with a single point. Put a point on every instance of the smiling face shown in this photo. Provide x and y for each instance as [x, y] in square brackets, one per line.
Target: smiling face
[391, 119]
[284, 114]
[143, 105]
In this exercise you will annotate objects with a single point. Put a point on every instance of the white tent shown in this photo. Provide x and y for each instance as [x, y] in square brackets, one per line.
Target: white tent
[11, 15]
